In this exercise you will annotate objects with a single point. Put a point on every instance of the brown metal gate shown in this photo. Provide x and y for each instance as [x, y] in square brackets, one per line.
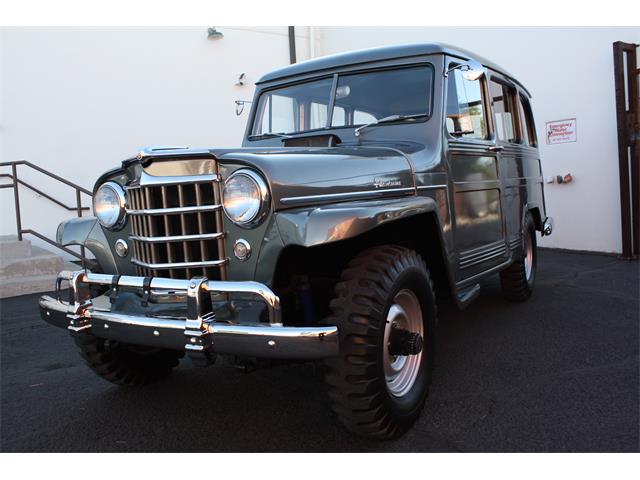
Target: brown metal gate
[628, 114]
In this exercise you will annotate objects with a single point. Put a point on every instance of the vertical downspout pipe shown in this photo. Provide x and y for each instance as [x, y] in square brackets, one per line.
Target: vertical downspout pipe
[292, 44]
[312, 42]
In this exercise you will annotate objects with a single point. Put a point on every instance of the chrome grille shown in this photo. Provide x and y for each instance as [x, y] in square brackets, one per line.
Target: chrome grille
[176, 227]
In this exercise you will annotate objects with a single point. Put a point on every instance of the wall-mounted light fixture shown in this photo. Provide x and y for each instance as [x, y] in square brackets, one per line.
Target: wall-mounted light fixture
[214, 34]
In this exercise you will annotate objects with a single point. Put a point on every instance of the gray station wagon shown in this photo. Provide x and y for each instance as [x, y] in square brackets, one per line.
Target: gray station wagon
[370, 187]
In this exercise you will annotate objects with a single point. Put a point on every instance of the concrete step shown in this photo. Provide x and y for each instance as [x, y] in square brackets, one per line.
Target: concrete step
[44, 264]
[25, 285]
[28, 269]
[11, 247]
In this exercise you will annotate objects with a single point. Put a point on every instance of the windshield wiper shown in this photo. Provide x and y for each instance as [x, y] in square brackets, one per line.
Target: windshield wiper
[390, 118]
[269, 135]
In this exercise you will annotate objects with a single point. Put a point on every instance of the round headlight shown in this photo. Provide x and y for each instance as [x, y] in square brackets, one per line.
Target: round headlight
[245, 198]
[109, 205]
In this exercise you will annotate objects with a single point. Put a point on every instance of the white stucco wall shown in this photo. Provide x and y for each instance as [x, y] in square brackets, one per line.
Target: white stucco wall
[79, 100]
[569, 72]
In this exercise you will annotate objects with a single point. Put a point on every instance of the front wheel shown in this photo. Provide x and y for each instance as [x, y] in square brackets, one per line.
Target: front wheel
[126, 365]
[385, 310]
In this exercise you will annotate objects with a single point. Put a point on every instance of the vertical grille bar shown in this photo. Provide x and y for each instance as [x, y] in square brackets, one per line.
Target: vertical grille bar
[136, 224]
[183, 224]
[145, 230]
[152, 230]
[217, 198]
[167, 229]
[201, 228]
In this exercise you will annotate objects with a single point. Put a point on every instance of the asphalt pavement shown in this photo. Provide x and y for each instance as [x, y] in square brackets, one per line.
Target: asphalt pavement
[559, 373]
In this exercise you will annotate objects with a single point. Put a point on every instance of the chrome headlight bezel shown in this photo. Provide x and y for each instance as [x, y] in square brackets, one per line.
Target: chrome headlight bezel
[264, 198]
[121, 206]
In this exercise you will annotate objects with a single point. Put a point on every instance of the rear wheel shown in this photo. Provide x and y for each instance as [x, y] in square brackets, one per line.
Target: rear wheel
[124, 364]
[385, 310]
[518, 280]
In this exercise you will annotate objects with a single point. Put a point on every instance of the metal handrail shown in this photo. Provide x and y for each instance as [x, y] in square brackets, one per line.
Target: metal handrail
[39, 192]
[15, 182]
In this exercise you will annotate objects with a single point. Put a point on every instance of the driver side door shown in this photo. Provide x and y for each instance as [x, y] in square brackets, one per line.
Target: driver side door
[474, 178]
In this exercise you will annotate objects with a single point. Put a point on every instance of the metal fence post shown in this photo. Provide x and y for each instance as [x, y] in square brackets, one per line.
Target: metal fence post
[16, 197]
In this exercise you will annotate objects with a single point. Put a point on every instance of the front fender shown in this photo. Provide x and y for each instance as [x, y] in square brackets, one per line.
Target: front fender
[331, 223]
[87, 231]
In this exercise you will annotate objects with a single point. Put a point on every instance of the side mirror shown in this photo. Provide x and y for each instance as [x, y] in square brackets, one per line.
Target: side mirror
[240, 106]
[472, 74]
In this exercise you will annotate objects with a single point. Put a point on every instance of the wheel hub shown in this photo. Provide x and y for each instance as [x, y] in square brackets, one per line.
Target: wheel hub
[528, 258]
[403, 341]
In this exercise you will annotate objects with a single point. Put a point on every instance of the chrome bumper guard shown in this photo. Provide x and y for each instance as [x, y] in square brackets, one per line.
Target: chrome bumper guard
[198, 333]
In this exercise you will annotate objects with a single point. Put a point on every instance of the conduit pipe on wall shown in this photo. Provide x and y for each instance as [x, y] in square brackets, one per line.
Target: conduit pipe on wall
[292, 44]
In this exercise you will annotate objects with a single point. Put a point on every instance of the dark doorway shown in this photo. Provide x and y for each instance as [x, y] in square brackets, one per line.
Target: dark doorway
[626, 80]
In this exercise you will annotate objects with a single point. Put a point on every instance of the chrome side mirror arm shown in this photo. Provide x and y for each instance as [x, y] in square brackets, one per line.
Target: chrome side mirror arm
[473, 70]
[462, 67]
[240, 105]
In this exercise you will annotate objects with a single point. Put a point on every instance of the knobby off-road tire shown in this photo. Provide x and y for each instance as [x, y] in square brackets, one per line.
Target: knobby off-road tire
[368, 400]
[518, 280]
[126, 364]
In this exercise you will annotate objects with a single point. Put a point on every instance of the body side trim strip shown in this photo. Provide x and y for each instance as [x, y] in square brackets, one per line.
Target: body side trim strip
[346, 196]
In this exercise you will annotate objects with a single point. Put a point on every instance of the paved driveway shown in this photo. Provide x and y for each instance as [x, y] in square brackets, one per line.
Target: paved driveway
[558, 373]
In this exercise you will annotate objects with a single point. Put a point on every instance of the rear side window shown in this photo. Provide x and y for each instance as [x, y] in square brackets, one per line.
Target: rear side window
[528, 127]
[466, 115]
[504, 111]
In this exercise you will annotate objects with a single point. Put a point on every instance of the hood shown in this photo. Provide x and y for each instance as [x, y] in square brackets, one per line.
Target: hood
[309, 176]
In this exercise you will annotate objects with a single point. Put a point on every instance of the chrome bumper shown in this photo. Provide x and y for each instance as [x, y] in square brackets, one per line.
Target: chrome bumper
[198, 332]
[547, 228]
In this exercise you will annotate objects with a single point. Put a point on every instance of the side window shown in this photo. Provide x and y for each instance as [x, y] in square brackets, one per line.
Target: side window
[504, 110]
[528, 127]
[278, 115]
[318, 116]
[339, 117]
[362, 118]
[465, 107]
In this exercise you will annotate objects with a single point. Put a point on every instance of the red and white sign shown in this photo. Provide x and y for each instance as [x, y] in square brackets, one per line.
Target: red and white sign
[561, 131]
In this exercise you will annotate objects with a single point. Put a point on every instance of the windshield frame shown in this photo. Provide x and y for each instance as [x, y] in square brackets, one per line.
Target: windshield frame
[332, 99]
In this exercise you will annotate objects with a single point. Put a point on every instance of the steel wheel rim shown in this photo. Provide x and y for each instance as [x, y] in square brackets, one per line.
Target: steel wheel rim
[401, 371]
[528, 258]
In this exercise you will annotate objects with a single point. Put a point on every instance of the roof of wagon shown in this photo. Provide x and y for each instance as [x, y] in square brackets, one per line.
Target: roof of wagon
[377, 54]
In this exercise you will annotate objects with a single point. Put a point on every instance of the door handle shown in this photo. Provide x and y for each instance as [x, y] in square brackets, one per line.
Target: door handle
[496, 148]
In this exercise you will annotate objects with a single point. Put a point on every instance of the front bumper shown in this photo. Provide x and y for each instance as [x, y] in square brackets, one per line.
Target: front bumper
[198, 332]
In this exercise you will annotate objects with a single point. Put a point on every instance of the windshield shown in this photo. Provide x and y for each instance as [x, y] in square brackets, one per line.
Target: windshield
[359, 98]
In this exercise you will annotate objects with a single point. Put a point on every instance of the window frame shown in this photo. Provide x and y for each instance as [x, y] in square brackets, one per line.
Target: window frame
[332, 99]
[515, 114]
[526, 118]
[407, 66]
[486, 105]
[299, 107]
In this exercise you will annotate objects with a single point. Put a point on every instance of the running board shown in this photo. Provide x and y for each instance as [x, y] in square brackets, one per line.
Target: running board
[468, 295]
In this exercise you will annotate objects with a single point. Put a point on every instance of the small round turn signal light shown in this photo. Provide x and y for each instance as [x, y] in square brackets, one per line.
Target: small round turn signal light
[121, 248]
[242, 249]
